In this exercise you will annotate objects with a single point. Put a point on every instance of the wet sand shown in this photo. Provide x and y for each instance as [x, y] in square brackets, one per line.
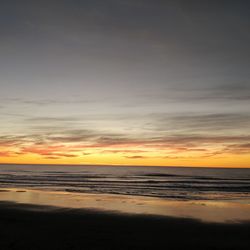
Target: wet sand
[44, 227]
[208, 211]
[35, 219]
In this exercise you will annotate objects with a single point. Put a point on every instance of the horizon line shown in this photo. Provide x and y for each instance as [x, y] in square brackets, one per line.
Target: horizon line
[121, 165]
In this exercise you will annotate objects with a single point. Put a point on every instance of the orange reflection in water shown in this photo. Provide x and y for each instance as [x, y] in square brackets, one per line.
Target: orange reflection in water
[213, 211]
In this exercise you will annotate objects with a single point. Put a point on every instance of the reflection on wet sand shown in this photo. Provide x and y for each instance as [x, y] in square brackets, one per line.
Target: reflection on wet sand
[214, 211]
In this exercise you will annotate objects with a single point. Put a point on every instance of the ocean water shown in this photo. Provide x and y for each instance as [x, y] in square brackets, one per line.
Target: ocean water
[162, 182]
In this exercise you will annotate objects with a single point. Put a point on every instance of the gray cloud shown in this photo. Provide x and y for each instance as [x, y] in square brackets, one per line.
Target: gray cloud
[120, 73]
[136, 157]
[202, 123]
[51, 119]
[242, 148]
[71, 142]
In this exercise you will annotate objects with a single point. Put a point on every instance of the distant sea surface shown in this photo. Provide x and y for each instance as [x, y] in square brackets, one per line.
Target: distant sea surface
[162, 182]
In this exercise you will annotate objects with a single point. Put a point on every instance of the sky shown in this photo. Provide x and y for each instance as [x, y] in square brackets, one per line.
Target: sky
[125, 82]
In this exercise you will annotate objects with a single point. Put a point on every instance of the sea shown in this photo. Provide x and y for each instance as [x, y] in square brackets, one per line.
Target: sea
[172, 183]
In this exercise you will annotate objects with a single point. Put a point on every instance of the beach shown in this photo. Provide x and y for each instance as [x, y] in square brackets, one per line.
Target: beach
[87, 207]
[125, 125]
[35, 219]
[203, 210]
[40, 227]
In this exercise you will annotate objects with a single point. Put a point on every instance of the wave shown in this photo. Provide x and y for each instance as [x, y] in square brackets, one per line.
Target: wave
[184, 185]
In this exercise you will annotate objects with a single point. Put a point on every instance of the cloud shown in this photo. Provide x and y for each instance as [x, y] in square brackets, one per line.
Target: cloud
[51, 119]
[205, 135]
[211, 123]
[12, 140]
[89, 138]
[48, 102]
[237, 148]
[48, 151]
[6, 154]
[195, 93]
[123, 151]
[233, 90]
[136, 157]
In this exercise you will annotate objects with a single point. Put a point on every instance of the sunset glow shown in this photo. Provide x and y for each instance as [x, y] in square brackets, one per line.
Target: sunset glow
[125, 124]
[156, 152]
[93, 86]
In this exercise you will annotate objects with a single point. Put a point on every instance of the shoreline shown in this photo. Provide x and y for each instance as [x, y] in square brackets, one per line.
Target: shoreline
[26, 226]
[124, 165]
[119, 165]
[206, 211]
